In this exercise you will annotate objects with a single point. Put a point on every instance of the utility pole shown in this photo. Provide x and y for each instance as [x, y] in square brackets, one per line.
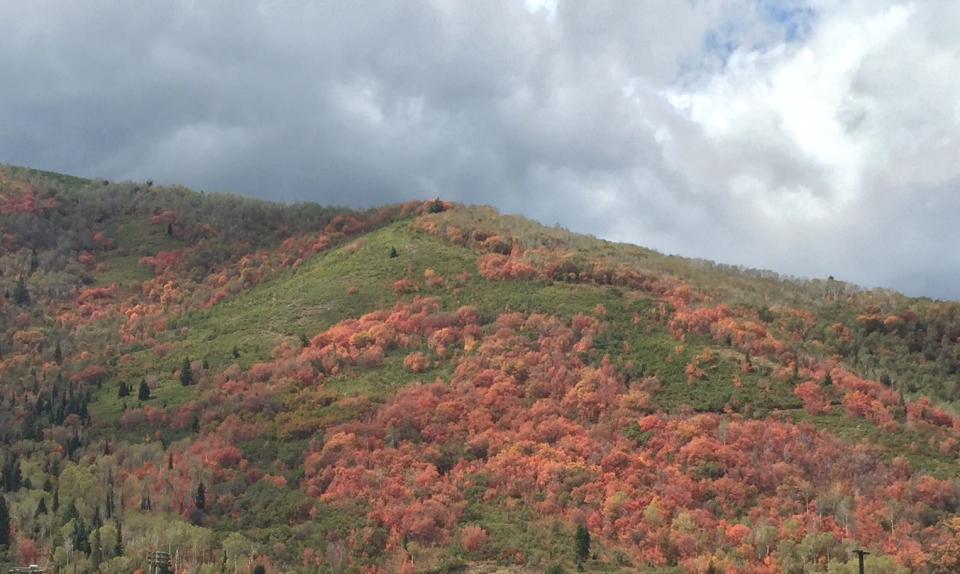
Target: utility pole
[860, 555]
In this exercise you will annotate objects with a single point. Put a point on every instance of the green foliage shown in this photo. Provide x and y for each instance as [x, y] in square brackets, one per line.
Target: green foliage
[186, 373]
[582, 542]
[21, 296]
[144, 393]
[4, 522]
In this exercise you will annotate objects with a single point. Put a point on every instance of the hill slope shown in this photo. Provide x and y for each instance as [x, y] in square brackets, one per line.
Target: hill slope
[431, 387]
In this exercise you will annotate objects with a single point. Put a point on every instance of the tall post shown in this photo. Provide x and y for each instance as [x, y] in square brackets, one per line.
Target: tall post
[860, 555]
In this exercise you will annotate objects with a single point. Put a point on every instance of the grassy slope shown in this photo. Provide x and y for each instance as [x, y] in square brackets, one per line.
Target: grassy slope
[312, 298]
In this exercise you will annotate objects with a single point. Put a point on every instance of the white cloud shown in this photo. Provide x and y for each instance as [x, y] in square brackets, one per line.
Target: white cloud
[813, 137]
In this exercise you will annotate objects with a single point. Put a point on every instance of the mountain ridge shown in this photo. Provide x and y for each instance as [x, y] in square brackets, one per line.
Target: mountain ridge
[288, 351]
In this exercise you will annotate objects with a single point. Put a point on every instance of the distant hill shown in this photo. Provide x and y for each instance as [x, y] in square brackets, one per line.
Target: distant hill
[433, 387]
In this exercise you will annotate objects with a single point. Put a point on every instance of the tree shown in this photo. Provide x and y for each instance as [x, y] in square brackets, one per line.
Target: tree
[200, 499]
[144, 393]
[582, 540]
[96, 554]
[58, 354]
[394, 253]
[118, 541]
[259, 569]
[436, 206]
[4, 523]
[186, 373]
[21, 296]
[41, 506]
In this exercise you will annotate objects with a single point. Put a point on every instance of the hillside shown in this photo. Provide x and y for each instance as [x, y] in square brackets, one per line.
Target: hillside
[432, 387]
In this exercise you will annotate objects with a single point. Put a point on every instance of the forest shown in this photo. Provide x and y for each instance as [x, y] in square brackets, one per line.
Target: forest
[435, 387]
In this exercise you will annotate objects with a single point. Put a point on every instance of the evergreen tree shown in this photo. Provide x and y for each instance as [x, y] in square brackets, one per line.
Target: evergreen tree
[123, 391]
[12, 478]
[582, 539]
[20, 294]
[200, 499]
[4, 523]
[110, 494]
[80, 541]
[41, 506]
[70, 513]
[436, 206]
[394, 253]
[58, 354]
[56, 500]
[186, 373]
[96, 556]
[144, 392]
[118, 542]
[259, 569]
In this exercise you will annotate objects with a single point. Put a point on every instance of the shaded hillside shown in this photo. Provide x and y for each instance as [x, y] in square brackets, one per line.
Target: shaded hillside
[431, 387]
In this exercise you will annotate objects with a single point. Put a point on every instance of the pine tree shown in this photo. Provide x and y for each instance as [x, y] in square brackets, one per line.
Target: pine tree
[144, 393]
[436, 206]
[200, 499]
[41, 506]
[186, 373]
[582, 539]
[80, 541]
[58, 354]
[118, 542]
[96, 555]
[20, 294]
[4, 523]
[110, 495]
[123, 391]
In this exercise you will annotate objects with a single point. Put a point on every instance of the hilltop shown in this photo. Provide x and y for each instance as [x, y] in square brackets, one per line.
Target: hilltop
[432, 387]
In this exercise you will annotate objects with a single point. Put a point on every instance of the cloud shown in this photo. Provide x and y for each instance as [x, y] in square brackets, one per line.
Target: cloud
[812, 137]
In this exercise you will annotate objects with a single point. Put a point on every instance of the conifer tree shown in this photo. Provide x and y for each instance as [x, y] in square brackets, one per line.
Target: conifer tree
[200, 499]
[144, 392]
[21, 296]
[582, 540]
[186, 373]
[4, 523]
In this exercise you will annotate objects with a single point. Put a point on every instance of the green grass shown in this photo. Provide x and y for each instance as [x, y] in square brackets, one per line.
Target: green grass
[134, 239]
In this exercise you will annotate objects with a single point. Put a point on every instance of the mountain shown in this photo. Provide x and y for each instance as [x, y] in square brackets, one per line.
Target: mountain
[433, 387]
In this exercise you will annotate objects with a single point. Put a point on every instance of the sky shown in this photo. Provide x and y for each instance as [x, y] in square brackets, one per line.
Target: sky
[813, 138]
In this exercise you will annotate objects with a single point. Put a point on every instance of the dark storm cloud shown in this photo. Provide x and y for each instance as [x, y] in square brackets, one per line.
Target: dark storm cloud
[798, 136]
